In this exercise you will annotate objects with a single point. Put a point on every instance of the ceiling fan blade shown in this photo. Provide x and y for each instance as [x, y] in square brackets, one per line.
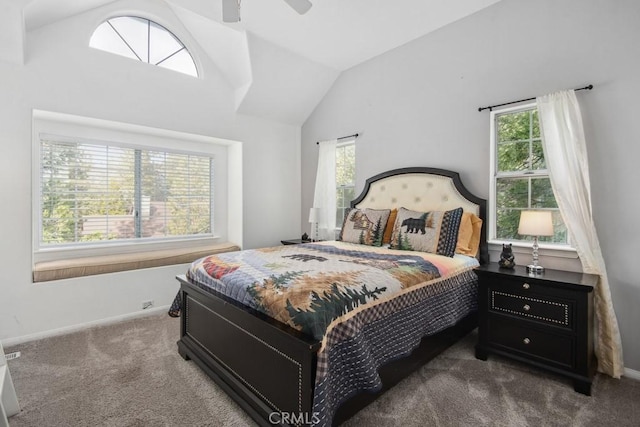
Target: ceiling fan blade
[300, 6]
[230, 11]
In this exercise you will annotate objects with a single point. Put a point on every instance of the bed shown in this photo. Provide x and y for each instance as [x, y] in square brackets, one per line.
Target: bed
[300, 357]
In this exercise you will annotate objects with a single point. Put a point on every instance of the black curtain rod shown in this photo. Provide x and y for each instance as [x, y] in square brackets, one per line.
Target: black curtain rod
[491, 107]
[355, 135]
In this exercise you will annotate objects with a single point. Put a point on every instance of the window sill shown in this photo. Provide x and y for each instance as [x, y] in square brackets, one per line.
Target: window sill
[115, 247]
[101, 264]
[557, 251]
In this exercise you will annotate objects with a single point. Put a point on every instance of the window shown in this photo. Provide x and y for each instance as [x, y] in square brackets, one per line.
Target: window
[98, 192]
[143, 40]
[520, 180]
[345, 178]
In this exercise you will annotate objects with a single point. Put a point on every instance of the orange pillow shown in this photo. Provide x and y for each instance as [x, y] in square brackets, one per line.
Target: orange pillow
[469, 234]
[388, 230]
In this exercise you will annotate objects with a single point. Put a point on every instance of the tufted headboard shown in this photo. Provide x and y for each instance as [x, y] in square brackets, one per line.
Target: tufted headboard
[423, 189]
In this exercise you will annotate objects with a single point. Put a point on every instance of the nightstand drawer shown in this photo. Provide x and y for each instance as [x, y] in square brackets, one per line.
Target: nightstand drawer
[547, 310]
[532, 342]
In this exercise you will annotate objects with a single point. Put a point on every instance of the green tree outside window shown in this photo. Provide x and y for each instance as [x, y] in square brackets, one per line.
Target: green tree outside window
[345, 179]
[521, 178]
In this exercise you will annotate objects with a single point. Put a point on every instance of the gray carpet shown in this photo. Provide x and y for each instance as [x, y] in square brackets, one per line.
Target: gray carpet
[130, 374]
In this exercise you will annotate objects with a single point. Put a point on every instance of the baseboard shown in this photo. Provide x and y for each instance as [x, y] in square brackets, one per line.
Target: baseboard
[9, 342]
[632, 373]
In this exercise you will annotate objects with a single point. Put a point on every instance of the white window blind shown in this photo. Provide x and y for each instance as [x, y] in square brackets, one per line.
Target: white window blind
[94, 192]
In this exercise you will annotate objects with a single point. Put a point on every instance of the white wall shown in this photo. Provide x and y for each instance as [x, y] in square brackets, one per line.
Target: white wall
[62, 74]
[418, 106]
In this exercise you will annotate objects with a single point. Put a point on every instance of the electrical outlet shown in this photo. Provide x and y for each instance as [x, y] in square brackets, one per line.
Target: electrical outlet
[147, 304]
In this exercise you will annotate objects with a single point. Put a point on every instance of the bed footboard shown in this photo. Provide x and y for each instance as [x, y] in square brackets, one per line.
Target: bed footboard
[267, 367]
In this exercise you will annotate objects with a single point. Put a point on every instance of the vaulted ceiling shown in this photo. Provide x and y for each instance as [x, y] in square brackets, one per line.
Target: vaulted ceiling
[273, 49]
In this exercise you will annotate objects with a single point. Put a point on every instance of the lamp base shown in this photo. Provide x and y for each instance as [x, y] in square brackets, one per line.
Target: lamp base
[535, 269]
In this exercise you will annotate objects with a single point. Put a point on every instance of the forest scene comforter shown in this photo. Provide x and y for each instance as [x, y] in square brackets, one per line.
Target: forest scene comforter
[368, 305]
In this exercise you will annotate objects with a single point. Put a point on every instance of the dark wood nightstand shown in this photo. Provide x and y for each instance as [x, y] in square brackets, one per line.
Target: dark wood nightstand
[543, 320]
[294, 241]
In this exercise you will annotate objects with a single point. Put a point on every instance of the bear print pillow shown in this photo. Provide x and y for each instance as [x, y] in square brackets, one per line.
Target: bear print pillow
[435, 232]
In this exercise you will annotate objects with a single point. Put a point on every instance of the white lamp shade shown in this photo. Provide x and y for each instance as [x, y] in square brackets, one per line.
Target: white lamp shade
[314, 215]
[535, 223]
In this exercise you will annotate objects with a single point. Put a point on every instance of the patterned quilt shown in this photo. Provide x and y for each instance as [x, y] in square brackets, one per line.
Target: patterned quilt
[368, 305]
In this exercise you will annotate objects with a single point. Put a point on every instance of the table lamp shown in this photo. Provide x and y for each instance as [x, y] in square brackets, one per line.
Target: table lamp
[535, 223]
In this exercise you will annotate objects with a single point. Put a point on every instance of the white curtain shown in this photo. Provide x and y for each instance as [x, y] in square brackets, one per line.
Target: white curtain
[565, 152]
[325, 194]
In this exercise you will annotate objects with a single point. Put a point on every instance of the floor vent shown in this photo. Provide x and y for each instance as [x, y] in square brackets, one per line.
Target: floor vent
[13, 355]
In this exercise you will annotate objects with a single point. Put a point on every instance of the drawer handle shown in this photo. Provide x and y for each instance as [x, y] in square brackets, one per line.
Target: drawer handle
[526, 307]
[526, 286]
[526, 340]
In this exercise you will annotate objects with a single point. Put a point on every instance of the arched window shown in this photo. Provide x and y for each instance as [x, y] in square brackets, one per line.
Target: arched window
[144, 40]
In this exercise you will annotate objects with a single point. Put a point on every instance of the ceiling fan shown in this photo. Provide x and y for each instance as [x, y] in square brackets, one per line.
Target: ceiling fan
[231, 8]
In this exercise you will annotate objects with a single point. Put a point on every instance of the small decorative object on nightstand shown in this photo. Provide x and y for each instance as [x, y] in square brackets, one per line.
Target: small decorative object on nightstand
[507, 260]
[543, 320]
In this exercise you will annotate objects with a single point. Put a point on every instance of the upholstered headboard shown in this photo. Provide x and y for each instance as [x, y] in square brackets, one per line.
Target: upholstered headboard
[423, 189]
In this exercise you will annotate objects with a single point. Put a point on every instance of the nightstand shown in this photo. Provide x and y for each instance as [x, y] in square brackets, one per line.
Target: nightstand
[545, 321]
[294, 241]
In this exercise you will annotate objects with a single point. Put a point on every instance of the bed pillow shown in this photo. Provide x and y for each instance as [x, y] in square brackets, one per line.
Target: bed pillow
[469, 234]
[346, 215]
[386, 239]
[434, 232]
[364, 226]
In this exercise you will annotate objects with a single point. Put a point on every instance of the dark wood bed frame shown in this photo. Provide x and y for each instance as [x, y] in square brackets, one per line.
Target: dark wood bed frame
[268, 367]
